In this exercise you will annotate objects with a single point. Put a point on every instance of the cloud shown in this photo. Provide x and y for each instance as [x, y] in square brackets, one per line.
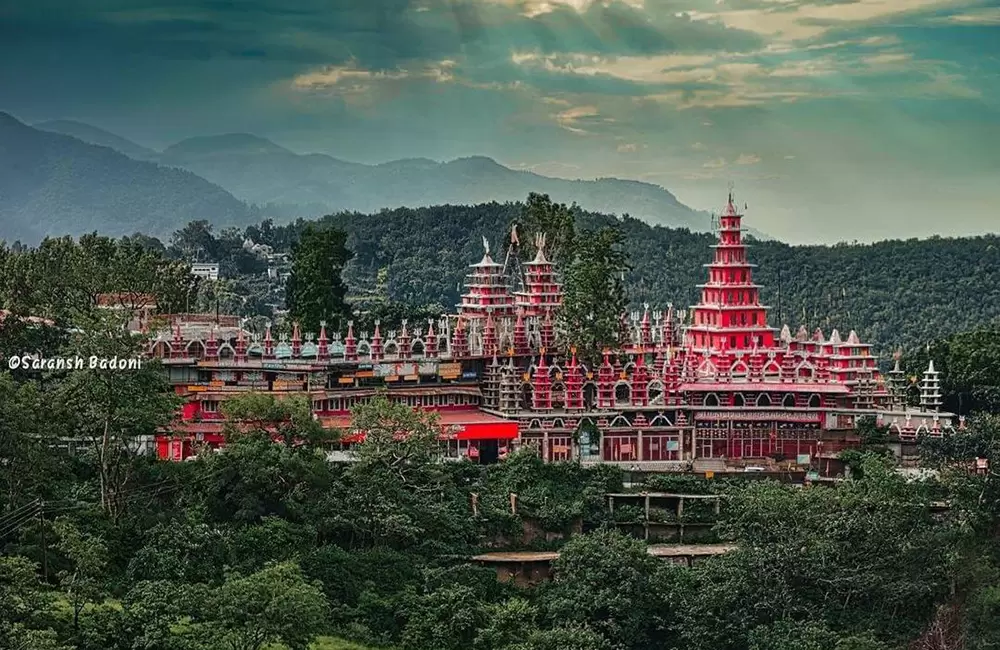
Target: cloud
[578, 118]
[747, 159]
[353, 77]
[627, 147]
[979, 16]
[718, 163]
[533, 8]
[800, 21]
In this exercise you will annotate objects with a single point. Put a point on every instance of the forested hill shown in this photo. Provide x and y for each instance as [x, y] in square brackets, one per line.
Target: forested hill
[54, 184]
[893, 293]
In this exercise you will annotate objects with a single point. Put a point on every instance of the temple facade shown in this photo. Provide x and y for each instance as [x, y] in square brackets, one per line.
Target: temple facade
[711, 387]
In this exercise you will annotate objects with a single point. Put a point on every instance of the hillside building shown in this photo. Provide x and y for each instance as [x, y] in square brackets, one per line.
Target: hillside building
[207, 270]
[707, 390]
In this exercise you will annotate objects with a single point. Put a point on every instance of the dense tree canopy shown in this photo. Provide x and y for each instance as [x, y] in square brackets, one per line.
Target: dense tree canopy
[595, 300]
[316, 293]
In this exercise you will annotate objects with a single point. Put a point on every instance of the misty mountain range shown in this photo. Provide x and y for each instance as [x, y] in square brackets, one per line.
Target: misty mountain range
[66, 177]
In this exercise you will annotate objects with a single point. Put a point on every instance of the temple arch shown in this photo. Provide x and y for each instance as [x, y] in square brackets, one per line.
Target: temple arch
[623, 393]
[655, 391]
[195, 349]
[161, 350]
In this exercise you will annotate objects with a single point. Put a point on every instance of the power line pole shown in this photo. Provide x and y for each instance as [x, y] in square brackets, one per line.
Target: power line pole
[45, 544]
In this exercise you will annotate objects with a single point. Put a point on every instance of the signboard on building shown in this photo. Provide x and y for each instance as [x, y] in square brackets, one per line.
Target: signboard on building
[802, 459]
[393, 369]
[470, 374]
[450, 369]
[427, 368]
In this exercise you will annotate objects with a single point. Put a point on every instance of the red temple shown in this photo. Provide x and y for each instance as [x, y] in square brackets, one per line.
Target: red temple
[714, 387]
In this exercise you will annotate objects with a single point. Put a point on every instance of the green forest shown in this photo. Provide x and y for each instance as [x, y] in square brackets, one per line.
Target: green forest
[272, 546]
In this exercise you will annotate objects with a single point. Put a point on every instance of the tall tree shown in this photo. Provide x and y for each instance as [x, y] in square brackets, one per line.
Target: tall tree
[195, 242]
[315, 290]
[113, 409]
[595, 297]
[554, 220]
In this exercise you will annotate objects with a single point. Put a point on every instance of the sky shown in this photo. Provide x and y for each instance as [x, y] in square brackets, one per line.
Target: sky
[833, 120]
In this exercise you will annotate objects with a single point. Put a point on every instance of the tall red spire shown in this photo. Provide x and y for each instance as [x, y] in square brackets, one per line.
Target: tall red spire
[430, 341]
[541, 385]
[541, 293]
[323, 349]
[489, 336]
[376, 343]
[729, 315]
[350, 343]
[403, 343]
[177, 350]
[459, 341]
[296, 340]
[486, 290]
[241, 347]
[268, 343]
[520, 334]
[606, 383]
[573, 383]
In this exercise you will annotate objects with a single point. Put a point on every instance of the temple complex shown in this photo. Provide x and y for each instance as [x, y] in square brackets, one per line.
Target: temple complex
[705, 389]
